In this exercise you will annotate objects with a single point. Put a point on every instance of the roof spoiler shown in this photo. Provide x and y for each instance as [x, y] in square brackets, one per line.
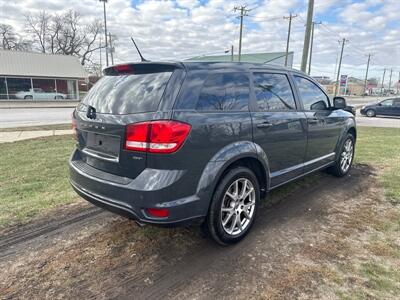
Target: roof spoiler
[139, 68]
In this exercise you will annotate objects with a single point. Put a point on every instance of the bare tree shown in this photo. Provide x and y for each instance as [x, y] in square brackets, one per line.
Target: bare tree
[9, 40]
[65, 34]
[38, 26]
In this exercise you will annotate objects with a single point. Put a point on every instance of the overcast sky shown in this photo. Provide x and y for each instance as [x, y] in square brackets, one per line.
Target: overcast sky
[184, 28]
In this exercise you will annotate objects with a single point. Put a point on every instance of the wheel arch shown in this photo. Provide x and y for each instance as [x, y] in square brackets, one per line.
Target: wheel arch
[245, 154]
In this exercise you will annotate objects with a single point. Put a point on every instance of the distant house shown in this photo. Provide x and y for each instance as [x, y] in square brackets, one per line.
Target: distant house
[38, 76]
[276, 58]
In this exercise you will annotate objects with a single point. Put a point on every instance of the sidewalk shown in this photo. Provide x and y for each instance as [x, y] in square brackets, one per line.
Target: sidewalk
[14, 136]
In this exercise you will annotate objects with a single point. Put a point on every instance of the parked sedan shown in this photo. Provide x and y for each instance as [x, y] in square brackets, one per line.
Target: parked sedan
[39, 94]
[388, 107]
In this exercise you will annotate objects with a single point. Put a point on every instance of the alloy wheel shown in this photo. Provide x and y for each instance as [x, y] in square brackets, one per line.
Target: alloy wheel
[238, 206]
[346, 157]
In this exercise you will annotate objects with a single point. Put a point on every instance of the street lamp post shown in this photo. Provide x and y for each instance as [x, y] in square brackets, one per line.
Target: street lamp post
[105, 28]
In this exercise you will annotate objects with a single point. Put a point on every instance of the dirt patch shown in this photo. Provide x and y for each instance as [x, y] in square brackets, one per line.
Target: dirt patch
[301, 246]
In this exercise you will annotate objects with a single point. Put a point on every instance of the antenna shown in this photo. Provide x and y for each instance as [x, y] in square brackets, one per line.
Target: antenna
[140, 54]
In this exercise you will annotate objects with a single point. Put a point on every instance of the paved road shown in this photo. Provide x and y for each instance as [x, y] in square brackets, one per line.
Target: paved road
[19, 117]
[390, 122]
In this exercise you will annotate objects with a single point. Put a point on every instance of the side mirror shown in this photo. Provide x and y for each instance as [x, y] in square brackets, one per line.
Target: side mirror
[319, 105]
[339, 103]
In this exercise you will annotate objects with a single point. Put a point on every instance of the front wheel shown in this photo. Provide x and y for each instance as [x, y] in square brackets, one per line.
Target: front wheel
[345, 160]
[370, 113]
[234, 206]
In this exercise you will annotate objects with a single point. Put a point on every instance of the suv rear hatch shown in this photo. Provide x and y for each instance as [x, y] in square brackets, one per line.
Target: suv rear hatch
[127, 94]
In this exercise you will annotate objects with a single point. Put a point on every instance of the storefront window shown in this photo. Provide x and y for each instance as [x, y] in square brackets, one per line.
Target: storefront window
[3, 88]
[67, 88]
[19, 88]
[44, 89]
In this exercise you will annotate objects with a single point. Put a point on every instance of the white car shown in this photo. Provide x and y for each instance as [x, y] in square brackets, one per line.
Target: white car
[39, 94]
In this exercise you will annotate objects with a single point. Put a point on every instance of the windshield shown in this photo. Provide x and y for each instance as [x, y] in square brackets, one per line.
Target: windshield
[127, 94]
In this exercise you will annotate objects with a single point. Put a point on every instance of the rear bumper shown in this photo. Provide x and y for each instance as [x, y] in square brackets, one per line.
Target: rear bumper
[130, 197]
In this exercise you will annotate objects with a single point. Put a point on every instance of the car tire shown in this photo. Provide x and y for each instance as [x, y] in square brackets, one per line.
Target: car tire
[59, 98]
[233, 207]
[28, 98]
[370, 113]
[345, 158]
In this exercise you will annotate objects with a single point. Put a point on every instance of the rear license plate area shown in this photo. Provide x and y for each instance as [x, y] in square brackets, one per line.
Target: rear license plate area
[102, 143]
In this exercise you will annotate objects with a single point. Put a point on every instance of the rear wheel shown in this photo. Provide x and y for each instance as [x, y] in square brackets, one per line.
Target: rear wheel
[370, 113]
[28, 97]
[345, 159]
[234, 206]
[59, 97]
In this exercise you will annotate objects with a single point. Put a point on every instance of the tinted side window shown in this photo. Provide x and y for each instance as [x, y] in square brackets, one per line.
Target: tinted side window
[273, 92]
[312, 96]
[387, 102]
[396, 103]
[227, 91]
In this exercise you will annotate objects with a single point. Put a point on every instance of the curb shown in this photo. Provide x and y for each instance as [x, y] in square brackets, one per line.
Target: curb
[39, 104]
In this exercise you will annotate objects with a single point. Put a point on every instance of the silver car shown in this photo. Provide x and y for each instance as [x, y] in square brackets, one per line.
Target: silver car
[39, 94]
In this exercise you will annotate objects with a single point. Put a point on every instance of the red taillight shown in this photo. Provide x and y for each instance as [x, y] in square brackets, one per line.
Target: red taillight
[158, 212]
[74, 133]
[156, 136]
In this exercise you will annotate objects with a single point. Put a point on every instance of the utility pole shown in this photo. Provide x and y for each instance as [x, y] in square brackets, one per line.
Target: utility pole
[336, 65]
[288, 36]
[101, 62]
[366, 73]
[383, 80]
[390, 80]
[243, 13]
[231, 52]
[306, 45]
[340, 65]
[105, 28]
[111, 49]
[311, 46]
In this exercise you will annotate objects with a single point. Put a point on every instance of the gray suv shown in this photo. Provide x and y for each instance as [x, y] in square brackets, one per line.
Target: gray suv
[172, 143]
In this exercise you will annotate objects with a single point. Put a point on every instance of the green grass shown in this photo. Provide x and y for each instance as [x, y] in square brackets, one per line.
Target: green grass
[381, 278]
[38, 127]
[34, 177]
[380, 147]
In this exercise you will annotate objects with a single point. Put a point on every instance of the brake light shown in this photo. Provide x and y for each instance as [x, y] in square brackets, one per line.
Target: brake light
[74, 126]
[161, 136]
[123, 68]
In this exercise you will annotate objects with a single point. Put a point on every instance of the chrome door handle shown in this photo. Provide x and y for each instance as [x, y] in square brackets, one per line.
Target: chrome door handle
[264, 125]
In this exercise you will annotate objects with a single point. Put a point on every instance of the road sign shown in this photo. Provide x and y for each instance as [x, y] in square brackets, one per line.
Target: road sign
[343, 80]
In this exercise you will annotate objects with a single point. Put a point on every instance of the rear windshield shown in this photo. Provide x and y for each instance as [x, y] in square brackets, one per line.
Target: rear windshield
[127, 94]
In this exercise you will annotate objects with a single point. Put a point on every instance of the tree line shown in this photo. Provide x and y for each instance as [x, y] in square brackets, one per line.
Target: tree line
[65, 34]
